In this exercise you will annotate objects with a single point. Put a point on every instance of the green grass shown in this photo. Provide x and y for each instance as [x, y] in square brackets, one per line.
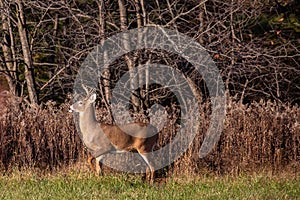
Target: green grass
[87, 186]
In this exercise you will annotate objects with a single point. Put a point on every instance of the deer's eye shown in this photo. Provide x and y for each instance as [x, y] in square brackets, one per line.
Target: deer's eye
[80, 103]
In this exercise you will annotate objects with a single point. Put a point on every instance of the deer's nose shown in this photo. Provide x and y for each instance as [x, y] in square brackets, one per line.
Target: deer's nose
[71, 109]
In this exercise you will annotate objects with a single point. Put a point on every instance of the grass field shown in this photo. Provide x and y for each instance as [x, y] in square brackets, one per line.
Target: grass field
[83, 185]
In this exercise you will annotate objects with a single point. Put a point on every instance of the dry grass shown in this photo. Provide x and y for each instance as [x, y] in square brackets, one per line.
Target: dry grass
[262, 135]
[42, 137]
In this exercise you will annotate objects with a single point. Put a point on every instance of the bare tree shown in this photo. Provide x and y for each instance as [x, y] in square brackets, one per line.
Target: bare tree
[9, 66]
[102, 29]
[29, 72]
[129, 60]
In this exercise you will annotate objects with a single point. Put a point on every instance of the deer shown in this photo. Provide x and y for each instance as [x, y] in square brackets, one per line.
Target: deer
[102, 139]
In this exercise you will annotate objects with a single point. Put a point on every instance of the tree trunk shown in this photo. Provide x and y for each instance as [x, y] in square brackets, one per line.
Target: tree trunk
[106, 74]
[144, 73]
[29, 73]
[130, 61]
[144, 12]
[9, 69]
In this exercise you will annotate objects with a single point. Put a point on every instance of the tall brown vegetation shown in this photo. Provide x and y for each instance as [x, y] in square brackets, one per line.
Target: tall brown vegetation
[262, 135]
[42, 136]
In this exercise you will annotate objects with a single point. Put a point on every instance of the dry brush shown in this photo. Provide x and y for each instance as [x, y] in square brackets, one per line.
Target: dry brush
[260, 135]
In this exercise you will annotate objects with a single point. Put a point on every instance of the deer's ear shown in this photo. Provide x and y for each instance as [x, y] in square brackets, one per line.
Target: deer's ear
[92, 98]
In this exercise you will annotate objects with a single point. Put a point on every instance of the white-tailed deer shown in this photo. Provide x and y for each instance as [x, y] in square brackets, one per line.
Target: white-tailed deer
[102, 138]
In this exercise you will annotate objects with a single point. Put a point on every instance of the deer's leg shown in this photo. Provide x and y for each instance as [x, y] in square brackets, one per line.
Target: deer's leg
[150, 167]
[90, 161]
[99, 165]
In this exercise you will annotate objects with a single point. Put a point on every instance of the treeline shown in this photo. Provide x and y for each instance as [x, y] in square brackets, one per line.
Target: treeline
[255, 44]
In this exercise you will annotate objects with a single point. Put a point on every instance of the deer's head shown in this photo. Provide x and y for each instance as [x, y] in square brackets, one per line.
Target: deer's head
[82, 105]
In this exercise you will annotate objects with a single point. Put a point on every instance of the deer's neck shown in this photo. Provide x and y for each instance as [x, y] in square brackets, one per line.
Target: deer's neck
[87, 119]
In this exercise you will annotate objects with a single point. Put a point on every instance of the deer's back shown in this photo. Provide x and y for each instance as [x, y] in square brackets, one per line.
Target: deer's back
[130, 136]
